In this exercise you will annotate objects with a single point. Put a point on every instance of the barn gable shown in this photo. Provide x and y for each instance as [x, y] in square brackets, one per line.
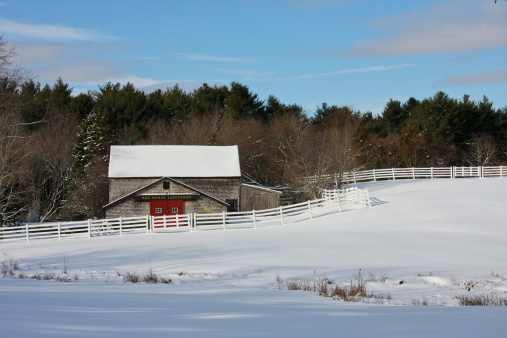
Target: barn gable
[139, 192]
[166, 191]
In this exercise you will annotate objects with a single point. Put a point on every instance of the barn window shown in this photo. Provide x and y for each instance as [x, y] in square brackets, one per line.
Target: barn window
[166, 185]
[174, 210]
[158, 210]
[233, 205]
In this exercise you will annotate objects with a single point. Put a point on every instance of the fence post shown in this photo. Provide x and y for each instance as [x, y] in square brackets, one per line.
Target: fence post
[59, 230]
[394, 177]
[354, 175]
[177, 221]
[121, 227]
[310, 209]
[501, 171]
[413, 173]
[374, 176]
[338, 201]
[281, 215]
[89, 228]
[194, 221]
[255, 220]
[27, 233]
[148, 225]
[223, 218]
[431, 172]
[481, 172]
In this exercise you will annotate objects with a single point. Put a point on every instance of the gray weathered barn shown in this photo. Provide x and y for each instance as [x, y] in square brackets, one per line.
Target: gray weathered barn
[169, 180]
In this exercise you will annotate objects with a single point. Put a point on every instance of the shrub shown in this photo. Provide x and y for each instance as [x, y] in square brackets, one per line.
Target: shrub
[150, 277]
[299, 284]
[9, 265]
[131, 277]
[482, 300]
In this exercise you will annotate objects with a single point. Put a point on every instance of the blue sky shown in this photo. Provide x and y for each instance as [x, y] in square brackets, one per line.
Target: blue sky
[358, 53]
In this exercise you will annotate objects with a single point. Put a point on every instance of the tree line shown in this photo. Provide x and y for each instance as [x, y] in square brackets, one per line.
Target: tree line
[54, 146]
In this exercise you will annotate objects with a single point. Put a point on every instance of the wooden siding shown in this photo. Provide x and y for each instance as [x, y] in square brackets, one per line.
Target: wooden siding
[220, 188]
[257, 198]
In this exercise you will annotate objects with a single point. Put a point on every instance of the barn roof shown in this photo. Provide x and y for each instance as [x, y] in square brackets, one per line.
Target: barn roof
[174, 161]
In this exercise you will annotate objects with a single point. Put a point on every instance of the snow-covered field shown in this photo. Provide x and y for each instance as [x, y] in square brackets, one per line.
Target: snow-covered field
[422, 242]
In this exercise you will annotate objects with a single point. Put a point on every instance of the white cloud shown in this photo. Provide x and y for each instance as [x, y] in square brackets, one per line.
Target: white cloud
[82, 72]
[184, 84]
[475, 78]
[204, 57]
[448, 27]
[49, 32]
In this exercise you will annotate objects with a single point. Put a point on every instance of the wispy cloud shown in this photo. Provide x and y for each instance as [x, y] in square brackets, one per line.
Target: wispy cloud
[454, 26]
[354, 70]
[37, 53]
[49, 32]
[479, 78]
[316, 4]
[204, 57]
[84, 75]
[243, 72]
[341, 72]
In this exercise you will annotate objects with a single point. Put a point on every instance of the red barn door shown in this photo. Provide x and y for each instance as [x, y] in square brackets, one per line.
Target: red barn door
[166, 207]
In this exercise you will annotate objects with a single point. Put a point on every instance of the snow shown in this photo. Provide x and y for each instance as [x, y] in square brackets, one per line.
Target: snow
[437, 236]
[174, 161]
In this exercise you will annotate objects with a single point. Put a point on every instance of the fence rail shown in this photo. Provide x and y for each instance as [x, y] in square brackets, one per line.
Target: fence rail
[333, 201]
[413, 173]
[80, 229]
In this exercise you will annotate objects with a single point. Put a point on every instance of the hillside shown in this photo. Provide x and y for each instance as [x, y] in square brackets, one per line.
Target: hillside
[423, 241]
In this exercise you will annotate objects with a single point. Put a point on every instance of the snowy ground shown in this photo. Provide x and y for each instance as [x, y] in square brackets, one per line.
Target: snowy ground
[439, 237]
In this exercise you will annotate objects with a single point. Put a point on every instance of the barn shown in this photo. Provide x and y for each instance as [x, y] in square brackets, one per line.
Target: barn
[168, 180]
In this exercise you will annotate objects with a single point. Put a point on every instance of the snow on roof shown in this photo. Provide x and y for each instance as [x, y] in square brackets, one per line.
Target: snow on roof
[174, 161]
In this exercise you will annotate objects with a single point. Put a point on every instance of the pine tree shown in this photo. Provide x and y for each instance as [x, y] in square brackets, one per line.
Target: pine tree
[94, 139]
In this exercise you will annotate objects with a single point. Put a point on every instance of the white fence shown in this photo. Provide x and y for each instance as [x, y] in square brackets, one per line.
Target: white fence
[414, 173]
[333, 201]
[82, 229]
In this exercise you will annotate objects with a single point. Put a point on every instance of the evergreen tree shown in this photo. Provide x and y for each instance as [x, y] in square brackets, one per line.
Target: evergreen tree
[394, 118]
[81, 105]
[242, 103]
[273, 108]
[207, 100]
[94, 138]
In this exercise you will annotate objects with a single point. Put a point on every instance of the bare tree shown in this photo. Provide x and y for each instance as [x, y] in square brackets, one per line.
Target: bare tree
[50, 164]
[482, 150]
[13, 200]
[12, 139]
